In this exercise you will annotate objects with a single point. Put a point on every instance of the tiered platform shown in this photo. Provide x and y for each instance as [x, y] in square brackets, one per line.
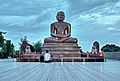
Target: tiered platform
[68, 51]
[61, 48]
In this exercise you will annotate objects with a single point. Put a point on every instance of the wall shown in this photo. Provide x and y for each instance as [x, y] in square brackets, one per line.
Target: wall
[112, 55]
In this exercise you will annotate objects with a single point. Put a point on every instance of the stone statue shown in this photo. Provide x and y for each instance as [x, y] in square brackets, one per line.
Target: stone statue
[60, 43]
[60, 31]
[23, 44]
[96, 44]
[94, 50]
[27, 50]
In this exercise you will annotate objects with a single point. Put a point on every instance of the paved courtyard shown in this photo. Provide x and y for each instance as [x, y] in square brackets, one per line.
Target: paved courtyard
[56, 71]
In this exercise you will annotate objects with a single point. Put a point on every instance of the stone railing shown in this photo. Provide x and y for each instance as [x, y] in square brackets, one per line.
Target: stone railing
[112, 55]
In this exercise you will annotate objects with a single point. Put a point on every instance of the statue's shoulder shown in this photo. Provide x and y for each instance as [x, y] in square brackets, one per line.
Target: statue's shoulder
[67, 23]
[53, 23]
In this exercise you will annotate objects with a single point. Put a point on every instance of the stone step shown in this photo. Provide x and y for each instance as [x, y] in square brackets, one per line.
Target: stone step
[65, 55]
[59, 44]
[62, 52]
[59, 49]
[64, 46]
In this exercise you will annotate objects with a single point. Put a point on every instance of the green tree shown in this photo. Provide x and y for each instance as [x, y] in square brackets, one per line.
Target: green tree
[4, 49]
[38, 46]
[110, 48]
[8, 45]
[12, 51]
[1, 41]
[9, 49]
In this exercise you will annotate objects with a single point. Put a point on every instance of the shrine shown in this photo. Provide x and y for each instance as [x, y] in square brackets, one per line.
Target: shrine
[61, 45]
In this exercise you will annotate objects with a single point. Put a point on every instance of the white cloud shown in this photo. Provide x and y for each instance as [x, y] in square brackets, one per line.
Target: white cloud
[11, 20]
[118, 4]
[91, 19]
[99, 23]
[111, 28]
[108, 19]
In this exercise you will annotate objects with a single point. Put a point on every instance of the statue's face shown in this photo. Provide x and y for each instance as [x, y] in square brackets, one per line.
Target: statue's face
[60, 16]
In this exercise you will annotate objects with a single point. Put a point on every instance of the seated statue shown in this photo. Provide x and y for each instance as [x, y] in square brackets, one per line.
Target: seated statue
[60, 31]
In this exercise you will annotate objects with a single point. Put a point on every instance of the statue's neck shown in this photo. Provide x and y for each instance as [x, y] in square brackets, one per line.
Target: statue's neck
[60, 21]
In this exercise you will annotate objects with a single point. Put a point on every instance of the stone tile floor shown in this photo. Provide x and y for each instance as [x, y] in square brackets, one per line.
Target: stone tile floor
[59, 71]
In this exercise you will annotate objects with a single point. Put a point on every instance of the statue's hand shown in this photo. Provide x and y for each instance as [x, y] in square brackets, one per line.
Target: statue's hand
[63, 39]
[59, 35]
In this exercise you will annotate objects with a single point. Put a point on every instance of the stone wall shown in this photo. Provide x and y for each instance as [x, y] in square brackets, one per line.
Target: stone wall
[112, 55]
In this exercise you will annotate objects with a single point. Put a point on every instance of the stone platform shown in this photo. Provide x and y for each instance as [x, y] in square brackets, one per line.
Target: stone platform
[59, 51]
[61, 48]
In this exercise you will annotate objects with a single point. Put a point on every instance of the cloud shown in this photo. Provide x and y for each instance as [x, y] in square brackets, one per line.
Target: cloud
[108, 19]
[100, 22]
[111, 29]
[26, 8]
[86, 5]
[16, 19]
[91, 19]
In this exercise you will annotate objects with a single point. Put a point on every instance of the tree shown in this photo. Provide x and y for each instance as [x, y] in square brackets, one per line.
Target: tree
[9, 49]
[12, 51]
[110, 48]
[8, 44]
[38, 46]
[4, 49]
[1, 41]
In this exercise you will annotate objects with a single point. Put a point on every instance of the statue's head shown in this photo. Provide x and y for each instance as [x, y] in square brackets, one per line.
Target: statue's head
[60, 16]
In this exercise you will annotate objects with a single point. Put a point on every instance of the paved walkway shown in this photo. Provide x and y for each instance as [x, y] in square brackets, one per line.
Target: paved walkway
[56, 71]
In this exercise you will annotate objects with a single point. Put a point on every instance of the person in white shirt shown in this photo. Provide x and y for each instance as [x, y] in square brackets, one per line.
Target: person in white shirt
[47, 57]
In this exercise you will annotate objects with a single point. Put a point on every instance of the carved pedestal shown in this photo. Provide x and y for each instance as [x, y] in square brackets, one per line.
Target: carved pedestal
[61, 50]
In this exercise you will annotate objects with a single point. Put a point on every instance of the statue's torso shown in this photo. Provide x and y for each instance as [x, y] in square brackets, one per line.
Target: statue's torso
[60, 27]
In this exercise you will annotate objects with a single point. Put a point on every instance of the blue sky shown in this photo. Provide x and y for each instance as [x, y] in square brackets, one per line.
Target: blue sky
[91, 20]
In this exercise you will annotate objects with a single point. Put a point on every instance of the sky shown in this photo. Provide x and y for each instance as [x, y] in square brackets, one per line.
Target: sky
[91, 20]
